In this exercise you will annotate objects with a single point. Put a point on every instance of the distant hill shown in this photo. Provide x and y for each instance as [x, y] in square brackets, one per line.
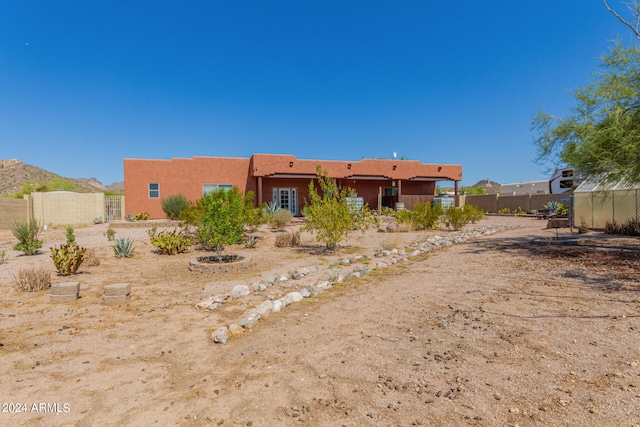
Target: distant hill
[17, 177]
[490, 187]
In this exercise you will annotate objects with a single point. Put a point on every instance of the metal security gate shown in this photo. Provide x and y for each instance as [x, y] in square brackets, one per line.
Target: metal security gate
[113, 208]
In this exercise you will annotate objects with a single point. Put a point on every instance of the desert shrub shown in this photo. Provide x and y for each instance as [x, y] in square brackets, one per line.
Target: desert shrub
[630, 228]
[141, 216]
[3, 256]
[583, 228]
[68, 258]
[175, 205]
[388, 244]
[281, 218]
[123, 247]
[455, 218]
[71, 238]
[170, 242]
[110, 233]
[32, 279]
[329, 215]
[91, 258]
[223, 221]
[426, 215]
[27, 233]
[504, 211]
[97, 220]
[474, 214]
[255, 217]
[285, 240]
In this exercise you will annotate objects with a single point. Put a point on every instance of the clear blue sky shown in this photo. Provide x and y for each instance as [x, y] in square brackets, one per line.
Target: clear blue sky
[84, 85]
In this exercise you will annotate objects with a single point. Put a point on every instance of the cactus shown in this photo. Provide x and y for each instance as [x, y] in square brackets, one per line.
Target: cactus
[68, 258]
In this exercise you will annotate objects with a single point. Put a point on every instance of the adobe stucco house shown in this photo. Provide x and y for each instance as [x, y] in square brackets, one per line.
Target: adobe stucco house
[281, 178]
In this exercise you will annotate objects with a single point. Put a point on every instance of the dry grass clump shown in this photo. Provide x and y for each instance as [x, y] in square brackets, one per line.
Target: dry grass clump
[91, 258]
[389, 244]
[285, 240]
[33, 279]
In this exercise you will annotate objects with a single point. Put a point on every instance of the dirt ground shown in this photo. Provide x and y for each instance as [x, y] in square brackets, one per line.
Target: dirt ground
[498, 331]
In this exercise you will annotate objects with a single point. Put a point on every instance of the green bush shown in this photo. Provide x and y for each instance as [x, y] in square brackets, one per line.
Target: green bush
[457, 218]
[255, 217]
[329, 215]
[123, 247]
[27, 233]
[426, 215]
[170, 242]
[68, 258]
[175, 205]
[223, 221]
[281, 218]
[141, 216]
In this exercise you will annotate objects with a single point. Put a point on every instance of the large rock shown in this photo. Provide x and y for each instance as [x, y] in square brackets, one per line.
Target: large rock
[220, 335]
[240, 291]
[265, 308]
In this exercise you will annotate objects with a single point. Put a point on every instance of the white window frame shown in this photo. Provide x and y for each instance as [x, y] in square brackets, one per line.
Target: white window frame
[154, 193]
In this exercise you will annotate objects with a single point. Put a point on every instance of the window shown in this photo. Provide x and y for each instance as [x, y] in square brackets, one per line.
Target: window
[286, 198]
[211, 188]
[154, 190]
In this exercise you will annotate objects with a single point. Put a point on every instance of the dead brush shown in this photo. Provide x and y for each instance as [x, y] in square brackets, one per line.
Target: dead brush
[389, 244]
[33, 279]
[91, 258]
[286, 240]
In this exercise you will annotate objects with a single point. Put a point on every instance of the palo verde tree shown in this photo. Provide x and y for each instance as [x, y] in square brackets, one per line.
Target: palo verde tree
[601, 134]
[633, 8]
[329, 214]
[222, 224]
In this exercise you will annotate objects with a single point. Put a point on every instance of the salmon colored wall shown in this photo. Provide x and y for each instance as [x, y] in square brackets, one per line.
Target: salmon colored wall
[185, 176]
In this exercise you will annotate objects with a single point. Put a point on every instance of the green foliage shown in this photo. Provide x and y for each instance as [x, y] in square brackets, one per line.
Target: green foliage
[97, 220]
[27, 233]
[457, 218]
[141, 216]
[562, 210]
[175, 205]
[110, 233]
[329, 215]
[281, 218]
[71, 238]
[601, 134]
[3, 257]
[223, 221]
[68, 258]
[551, 205]
[32, 279]
[170, 242]
[123, 247]
[255, 217]
[426, 215]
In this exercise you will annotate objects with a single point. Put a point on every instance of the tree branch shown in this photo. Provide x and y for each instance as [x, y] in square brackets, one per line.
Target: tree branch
[621, 19]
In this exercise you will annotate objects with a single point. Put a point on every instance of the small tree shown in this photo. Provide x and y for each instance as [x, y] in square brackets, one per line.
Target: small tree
[224, 219]
[329, 215]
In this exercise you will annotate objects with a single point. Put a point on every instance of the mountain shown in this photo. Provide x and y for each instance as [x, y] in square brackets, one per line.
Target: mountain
[490, 187]
[17, 177]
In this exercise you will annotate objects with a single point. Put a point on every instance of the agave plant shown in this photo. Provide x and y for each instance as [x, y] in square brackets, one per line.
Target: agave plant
[123, 247]
[271, 208]
[551, 206]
